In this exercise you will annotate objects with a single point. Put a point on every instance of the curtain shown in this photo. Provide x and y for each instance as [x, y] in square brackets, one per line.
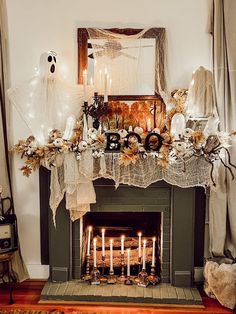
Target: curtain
[222, 209]
[19, 268]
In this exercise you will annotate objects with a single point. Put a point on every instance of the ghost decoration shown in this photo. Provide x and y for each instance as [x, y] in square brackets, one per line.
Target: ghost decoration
[45, 101]
[178, 125]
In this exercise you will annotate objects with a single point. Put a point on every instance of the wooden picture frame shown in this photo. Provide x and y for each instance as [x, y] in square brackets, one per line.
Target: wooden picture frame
[83, 45]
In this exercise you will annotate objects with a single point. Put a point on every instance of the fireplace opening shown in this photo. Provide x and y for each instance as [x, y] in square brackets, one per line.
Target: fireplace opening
[129, 224]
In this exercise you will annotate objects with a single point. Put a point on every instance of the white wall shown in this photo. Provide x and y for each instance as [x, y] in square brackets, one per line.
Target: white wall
[36, 26]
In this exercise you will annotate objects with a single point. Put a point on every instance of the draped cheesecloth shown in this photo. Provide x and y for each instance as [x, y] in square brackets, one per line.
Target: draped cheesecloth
[110, 50]
[46, 102]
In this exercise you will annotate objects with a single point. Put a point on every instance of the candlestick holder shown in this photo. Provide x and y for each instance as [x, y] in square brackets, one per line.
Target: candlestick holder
[95, 277]
[122, 277]
[96, 110]
[136, 279]
[87, 275]
[153, 278]
[143, 278]
[103, 278]
[111, 278]
[128, 281]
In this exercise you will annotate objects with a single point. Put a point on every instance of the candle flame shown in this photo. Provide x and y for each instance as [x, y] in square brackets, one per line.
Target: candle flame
[144, 242]
[140, 234]
[103, 230]
[90, 228]
[154, 239]
[122, 237]
[95, 240]
[111, 240]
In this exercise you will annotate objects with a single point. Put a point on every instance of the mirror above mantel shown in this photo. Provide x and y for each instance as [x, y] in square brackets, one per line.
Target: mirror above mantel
[128, 63]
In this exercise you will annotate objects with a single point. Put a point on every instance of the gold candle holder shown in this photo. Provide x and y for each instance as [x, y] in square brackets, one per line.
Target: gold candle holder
[103, 278]
[111, 278]
[143, 279]
[87, 275]
[95, 277]
[153, 278]
[128, 281]
[122, 277]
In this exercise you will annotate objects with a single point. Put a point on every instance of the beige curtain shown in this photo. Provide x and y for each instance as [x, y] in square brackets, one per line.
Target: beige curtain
[222, 211]
[5, 181]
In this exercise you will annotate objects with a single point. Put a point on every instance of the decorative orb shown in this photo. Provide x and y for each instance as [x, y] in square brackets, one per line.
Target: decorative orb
[58, 142]
[83, 145]
[138, 130]
[122, 133]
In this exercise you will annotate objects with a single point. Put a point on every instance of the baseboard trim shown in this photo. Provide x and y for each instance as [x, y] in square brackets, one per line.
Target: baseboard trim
[38, 271]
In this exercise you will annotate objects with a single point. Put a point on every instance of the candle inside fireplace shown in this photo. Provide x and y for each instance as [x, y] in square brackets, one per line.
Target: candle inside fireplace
[89, 239]
[122, 244]
[139, 244]
[111, 255]
[144, 254]
[94, 252]
[153, 251]
[103, 242]
[128, 262]
[85, 79]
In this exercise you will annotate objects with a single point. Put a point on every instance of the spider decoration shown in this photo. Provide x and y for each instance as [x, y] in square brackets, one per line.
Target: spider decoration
[113, 49]
[211, 152]
[96, 110]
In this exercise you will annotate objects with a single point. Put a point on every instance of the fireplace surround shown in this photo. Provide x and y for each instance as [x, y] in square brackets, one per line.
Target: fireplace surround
[177, 206]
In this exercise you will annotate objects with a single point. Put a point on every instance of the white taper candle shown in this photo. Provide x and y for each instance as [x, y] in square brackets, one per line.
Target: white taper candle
[122, 244]
[111, 255]
[153, 251]
[85, 79]
[89, 239]
[94, 252]
[139, 244]
[144, 254]
[128, 262]
[103, 242]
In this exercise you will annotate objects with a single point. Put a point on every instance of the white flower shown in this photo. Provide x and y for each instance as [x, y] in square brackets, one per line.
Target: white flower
[92, 133]
[58, 142]
[138, 130]
[83, 145]
[187, 132]
[122, 133]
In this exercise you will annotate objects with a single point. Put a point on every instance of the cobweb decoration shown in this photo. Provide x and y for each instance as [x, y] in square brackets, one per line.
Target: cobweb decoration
[111, 50]
[45, 101]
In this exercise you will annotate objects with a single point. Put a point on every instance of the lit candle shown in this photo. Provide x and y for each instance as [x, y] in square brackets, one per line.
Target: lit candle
[139, 244]
[111, 255]
[144, 254]
[122, 244]
[94, 252]
[149, 125]
[128, 262]
[105, 86]
[91, 80]
[89, 239]
[103, 242]
[153, 251]
[85, 84]
[100, 81]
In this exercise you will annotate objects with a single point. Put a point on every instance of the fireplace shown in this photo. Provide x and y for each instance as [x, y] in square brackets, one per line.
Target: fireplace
[171, 207]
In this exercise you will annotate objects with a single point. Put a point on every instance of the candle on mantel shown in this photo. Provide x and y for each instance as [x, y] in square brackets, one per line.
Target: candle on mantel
[89, 239]
[103, 242]
[85, 78]
[149, 128]
[94, 252]
[122, 244]
[139, 245]
[128, 262]
[105, 86]
[111, 255]
[144, 254]
[153, 251]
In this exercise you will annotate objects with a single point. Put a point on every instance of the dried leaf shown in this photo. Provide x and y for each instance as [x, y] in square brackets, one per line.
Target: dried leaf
[26, 171]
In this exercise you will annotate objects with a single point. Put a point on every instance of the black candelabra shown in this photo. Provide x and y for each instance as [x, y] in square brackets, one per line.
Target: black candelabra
[96, 110]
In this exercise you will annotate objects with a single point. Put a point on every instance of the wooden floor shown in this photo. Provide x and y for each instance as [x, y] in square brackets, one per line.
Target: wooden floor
[27, 294]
